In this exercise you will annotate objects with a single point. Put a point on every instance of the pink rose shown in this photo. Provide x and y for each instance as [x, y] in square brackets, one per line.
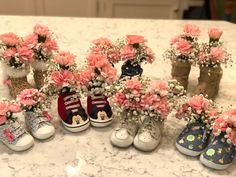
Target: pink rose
[217, 54]
[109, 73]
[119, 98]
[10, 39]
[30, 41]
[198, 103]
[183, 46]
[9, 53]
[214, 33]
[83, 77]
[30, 97]
[49, 46]
[64, 58]
[62, 78]
[97, 61]
[135, 39]
[14, 108]
[41, 30]
[8, 134]
[25, 54]
[159, 86]
[191, 30]
[232, 136]
[103, 42]
[133, 85]
[3, 108]
[128, 52]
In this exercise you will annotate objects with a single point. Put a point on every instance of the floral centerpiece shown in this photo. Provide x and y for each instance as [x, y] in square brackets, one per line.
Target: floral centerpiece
[15, 57]
[134, 51]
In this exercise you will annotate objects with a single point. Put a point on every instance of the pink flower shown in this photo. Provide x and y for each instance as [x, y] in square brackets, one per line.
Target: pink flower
[7, 82]
[119, 98]
[30, 41]
[150, 55]
[202, 56]
[231, 117]
[181, 112]
[135, 39]
[159, 86]
[96, 51]
[128, 52]
[232, 136]
[214, 33]
[103, 42]
[64, 58]
[97, 61]
[47, 115]
[49, 46]
[191, 30]
[174, 40]
[83, 77]
[10, 39]
[217, 54]
[9, 53]
[14, 108]
[62, 78]
[220, 125]
[113, 55]
[25, 54]
[198, 103]
[212, 113]
[30, 97]
[133, 85]
[162, 107]
[3, 119]
[9, 135]
[183, 46]
[41, 30]
[3, 108]
[109, 73]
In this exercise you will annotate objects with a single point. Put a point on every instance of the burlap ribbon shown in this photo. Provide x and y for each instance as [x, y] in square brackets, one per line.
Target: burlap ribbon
[209, 81]
[39, 76]
[180, 71]
[18, 85]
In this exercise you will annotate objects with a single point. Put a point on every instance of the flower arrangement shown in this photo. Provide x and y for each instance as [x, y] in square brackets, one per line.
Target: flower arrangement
[7, 108]
[98, 75]
[184, 47]
[226, 123]
[104, 46]
[213, 54]
[134, 49]
[198, 109]
[41, 42]
[13, 51]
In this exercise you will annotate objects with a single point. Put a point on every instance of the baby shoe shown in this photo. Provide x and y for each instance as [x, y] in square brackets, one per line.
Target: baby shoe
[99, 110]
[39, 124]
[219, 154]
[15, 137]
[149, 134]
[71, 112]
[193, 139]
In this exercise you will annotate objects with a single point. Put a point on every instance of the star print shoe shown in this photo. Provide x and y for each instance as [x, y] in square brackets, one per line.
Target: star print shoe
[193, 140]
[99, 110]
[219, 154]
[149, 135]
[39, 124]
[15, 137]
[123, 135]
[71, 112]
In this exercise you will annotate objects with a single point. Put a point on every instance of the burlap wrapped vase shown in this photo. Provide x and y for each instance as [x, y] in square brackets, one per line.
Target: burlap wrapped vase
[209, 81]
[18, 78]
[39, 72]
[180, 71]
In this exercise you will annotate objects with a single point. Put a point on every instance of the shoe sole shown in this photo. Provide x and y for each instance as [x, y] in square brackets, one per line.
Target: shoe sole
[119, 143]
[19, 149]
[212, 165]
[76, 129]
[101, 123]
[187, 151]
[44, 136]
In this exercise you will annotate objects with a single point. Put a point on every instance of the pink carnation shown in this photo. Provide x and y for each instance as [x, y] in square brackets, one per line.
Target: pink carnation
[135, 39]
[10, 39]
[191, 30]
[183, 46]
[14, 108]
[113, 55]
[219, 124]
[159, 86]
[3, 111]
[64, 58]
[181, 112]
[214, 33]
[231, 117]
[150, 55]
[133, 85]
[25, 54]
[3, 119]
[49, 46]
[62, 78]
[41, 30]
[103, 42]
[96, 51]
[217, 54]
[119, 98]
[232, 137]
[174, 40]
[30, 97]
[9, 53]
[30, 41]
[83, 77]
[97, 61]
[8, 134]
[109, 73]
[198, 103]
[162, 107]
[202, 56]
[128, 52]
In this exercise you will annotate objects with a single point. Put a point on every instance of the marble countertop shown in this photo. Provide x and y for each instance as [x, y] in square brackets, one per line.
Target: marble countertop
[90, 153]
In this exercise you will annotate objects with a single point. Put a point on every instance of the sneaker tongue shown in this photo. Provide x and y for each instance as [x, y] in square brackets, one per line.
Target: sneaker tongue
[130, 125]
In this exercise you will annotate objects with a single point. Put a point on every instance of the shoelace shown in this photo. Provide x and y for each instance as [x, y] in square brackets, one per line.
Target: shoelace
[71, 103]
[99, 101]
